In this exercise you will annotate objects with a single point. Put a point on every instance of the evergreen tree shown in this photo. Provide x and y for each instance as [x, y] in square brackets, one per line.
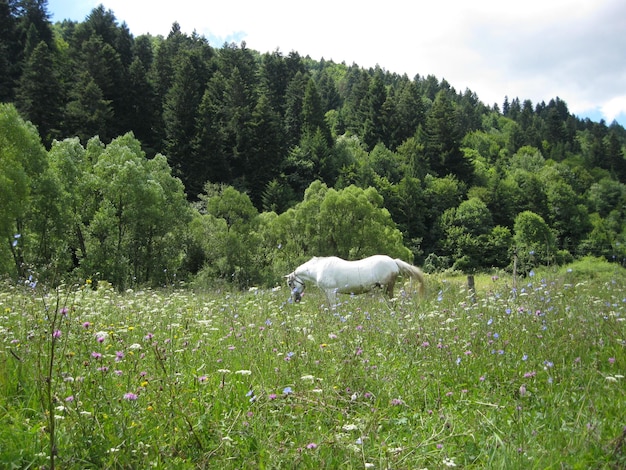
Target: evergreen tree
[275, 79]
[179, 115]
[373, 128]
[10, 49]
[266, 150]
[443, 140]
[294, 117]
[88, 113]
[327, 89]
[39, 93]
[313, 113]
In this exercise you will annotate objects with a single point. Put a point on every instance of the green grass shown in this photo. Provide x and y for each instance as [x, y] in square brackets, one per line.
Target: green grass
[524, 379]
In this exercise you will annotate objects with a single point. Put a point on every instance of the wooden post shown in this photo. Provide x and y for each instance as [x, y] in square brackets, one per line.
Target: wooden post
[471, 287]
[515, 272]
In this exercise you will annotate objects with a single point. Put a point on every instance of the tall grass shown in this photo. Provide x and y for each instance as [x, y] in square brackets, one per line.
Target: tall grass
[525, 378]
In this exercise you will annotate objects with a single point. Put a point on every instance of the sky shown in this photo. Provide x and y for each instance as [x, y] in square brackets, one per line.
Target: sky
[529, 49]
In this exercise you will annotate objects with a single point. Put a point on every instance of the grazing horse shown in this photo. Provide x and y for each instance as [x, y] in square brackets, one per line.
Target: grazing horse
[335, 275]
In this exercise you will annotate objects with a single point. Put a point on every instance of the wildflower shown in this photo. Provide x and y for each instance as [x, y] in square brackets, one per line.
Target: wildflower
[130, 396]
[202, 379]
[86, 325]
[223, 371]
[243, 372]
[64, 311]
[96, 355]
[397, 402]
[458, 361]
[119, 355]
[311, 445]
[70, 398]
[307, 377]
[272, 396]
[449, 462]
[287, 390]
[490, 321]
[525, 357]
[56, 334]
[527, 375]
[611, 360]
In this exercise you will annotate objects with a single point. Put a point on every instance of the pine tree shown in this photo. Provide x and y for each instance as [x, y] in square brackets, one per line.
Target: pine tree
[39, 93]
[443, 140]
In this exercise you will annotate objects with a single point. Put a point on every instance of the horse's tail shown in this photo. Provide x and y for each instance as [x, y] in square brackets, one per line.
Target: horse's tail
[413, 271]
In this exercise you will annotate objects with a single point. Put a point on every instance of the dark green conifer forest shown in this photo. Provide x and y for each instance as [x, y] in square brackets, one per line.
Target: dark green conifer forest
[159, 160]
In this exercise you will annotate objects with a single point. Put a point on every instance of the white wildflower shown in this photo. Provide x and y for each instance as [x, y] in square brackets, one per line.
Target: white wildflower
[349, 427]
[243, 372]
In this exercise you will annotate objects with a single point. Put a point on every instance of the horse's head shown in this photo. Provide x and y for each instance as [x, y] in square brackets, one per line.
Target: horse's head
[296, 285]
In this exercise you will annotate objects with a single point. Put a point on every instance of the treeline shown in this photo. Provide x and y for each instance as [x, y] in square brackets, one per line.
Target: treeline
[464, 184]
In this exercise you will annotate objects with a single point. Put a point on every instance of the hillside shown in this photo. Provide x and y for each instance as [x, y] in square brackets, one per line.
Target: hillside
[463, 182]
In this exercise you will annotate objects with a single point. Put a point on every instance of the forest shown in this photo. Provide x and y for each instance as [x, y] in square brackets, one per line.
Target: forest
[155, 160]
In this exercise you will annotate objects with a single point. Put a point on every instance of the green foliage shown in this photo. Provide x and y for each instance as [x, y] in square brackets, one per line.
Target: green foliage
[226, 236]
[270, 125]
[23, 168]
[534, 241]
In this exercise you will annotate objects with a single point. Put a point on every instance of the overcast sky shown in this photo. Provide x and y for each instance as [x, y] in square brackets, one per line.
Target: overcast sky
[530, 49]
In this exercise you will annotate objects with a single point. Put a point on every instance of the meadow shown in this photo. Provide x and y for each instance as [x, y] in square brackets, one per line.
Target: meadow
[525, 375]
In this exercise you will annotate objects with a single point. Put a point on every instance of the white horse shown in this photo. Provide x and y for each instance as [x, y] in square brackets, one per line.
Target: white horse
[335, 275]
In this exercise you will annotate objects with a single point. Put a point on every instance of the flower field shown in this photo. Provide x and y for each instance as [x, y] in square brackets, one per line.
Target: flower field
[524, 377]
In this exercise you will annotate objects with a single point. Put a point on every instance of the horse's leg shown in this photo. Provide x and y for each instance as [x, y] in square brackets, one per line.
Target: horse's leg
[390, 286]
[331, 296]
